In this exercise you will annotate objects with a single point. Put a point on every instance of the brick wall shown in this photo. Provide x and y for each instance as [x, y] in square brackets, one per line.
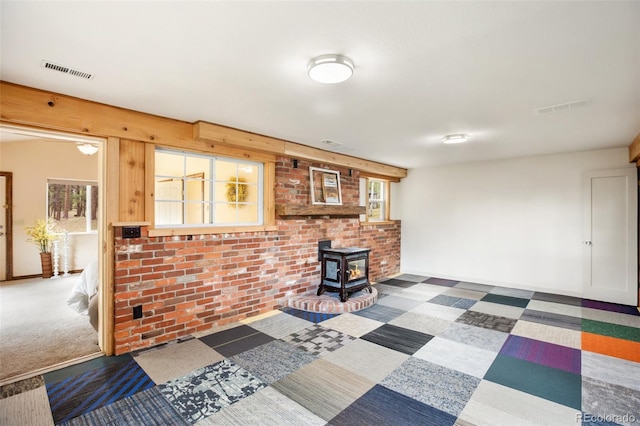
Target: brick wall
[189, 284]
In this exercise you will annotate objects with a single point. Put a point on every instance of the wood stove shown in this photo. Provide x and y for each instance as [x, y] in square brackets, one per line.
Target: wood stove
[344, 270]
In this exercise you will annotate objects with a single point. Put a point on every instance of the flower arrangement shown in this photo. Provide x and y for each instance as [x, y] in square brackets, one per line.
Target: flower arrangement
[41, 234]
[236, 190]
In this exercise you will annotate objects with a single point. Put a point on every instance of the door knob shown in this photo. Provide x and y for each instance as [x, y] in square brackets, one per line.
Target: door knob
[588, 243]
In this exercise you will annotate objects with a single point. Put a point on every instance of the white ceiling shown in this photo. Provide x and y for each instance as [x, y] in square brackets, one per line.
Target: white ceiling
[423, 70]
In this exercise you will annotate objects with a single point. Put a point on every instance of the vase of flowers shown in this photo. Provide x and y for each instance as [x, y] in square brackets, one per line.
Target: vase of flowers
[41, 234]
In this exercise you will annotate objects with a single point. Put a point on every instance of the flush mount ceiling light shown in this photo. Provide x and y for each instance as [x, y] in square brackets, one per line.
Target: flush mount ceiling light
[87, 148]
[330, 69]
[458, 138]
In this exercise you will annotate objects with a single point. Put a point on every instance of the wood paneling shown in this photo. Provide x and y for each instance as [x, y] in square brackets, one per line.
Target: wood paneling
[132, 181]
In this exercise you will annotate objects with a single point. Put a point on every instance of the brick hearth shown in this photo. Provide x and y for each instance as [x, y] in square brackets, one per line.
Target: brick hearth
[330, 303]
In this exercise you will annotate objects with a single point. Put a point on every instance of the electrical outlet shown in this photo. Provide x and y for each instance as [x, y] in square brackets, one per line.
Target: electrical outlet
[130, 232]
[137, 312]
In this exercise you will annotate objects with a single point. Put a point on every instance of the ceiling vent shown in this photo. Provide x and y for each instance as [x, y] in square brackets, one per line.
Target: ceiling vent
[66, 70]
[333, 146]
[561, 107]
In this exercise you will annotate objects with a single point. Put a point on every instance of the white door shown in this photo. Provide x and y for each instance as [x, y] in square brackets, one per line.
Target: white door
[3, 228]
[610, 236]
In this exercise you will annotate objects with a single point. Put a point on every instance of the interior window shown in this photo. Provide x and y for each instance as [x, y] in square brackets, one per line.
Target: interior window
[374, 194]
[198, 189]
[73, 205]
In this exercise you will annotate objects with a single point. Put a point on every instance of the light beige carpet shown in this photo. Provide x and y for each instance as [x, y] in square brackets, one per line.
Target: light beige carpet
[38, 329]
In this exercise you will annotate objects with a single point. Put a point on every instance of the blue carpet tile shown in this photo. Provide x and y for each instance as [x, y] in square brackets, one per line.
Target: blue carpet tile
[93, 389]
[422, 355]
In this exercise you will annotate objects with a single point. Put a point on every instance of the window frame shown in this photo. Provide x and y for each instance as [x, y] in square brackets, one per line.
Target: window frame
[386, 199]
[266, 185]
[87, 183]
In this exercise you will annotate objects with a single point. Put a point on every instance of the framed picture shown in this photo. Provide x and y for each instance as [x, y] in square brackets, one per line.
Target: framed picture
[325, 186]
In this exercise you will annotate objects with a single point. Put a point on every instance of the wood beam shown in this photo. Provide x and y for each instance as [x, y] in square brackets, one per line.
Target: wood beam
[52, 111]
[634, 150]
[203, 131]
[38, 108]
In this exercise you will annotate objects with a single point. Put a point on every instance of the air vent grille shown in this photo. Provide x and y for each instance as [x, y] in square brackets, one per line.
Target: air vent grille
[66, 70]
[561, 107]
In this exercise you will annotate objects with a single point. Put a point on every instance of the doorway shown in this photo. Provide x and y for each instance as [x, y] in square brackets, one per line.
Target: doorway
[610, 236]
[29, 160]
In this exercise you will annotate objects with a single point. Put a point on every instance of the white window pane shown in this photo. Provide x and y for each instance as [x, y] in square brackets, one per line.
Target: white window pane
[168, 213]
[248, 213]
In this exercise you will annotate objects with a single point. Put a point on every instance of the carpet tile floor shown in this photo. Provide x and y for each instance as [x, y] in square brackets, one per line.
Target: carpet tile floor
[431, 351]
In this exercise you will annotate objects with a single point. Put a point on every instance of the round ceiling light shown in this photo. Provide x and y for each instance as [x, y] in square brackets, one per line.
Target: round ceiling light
[330, 69]
[459, 138]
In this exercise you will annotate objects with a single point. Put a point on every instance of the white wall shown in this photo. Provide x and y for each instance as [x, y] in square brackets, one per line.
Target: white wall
[515, 223]
[31, 163]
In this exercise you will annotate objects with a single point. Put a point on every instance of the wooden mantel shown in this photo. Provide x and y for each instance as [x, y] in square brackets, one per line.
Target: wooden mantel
[318, 210]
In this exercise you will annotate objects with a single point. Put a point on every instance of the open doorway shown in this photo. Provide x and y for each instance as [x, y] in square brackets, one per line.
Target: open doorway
[41, 328]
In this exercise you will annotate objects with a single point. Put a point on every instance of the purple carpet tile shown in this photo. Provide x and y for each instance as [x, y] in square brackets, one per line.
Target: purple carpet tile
[612, 307]
[548, 354]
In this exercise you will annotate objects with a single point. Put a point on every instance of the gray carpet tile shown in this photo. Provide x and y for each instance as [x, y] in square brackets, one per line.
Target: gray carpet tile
[397, 282]
[383, 406]
[484, 288]
[323, 388]
[280, 325]
[234, 347]
[367, 359]
[209, 389]
[442, 388]
[260, 360]
[317, 340]
[557, 298]
[482, 338]
[464, 293]
[398, 338]
[265, 407]
[398, 302]
[506, 300]
[512, 292]
[442, 281]
[488, 321]
[412, 277]
[550, 318]
[144, 408]
[380, 313]
[615, 403]
[454, 302]
[422, 323]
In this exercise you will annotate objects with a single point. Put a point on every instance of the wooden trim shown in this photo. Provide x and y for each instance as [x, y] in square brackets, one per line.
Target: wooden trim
[34, 107]
[7, 204]
[269, 194]
[39, 108]
[149, 184]
[203, 131]
[318, 210]
[131, 189]
[380, 222]
[634, 150]
[208, 230]
[111, 180]
[295, 150]
[364, 174]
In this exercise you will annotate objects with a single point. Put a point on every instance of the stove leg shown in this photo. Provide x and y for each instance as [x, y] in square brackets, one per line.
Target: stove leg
[320, 290]
[344, 296]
